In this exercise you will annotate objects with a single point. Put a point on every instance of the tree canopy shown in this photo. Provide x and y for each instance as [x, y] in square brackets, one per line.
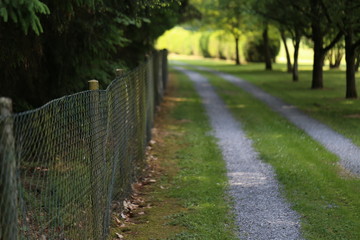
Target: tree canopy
[51, 48]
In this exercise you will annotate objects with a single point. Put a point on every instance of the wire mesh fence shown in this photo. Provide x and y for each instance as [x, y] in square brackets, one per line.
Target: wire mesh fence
[63, 165]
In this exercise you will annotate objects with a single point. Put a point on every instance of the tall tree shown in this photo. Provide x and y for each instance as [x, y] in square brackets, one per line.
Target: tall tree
[346, 17]
[231, 20]
[321, 25]
[288, 20]
[265, 35]
[287, 52]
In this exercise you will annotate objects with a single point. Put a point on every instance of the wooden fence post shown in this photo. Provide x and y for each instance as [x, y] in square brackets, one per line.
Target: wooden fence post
[119, 72]
[95, 153]
[93, 84]
[8, 185]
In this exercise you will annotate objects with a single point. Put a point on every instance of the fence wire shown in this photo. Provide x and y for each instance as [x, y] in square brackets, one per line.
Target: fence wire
[63, 165]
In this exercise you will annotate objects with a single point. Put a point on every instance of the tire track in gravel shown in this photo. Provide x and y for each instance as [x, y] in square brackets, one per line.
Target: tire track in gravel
[261, 211]
[336, 143]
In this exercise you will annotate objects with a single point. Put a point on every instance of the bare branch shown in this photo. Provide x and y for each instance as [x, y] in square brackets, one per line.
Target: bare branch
[334, 41]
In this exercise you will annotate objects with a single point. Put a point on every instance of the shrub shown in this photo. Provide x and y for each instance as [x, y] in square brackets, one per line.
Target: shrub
[254, 48]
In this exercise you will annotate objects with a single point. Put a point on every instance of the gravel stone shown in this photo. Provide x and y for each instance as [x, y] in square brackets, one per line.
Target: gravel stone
[261, 211]
[336, 143]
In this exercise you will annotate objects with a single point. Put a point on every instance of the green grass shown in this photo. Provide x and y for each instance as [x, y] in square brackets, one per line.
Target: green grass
[327, 105]
[189, 199]
[202, 179]
[325, 196]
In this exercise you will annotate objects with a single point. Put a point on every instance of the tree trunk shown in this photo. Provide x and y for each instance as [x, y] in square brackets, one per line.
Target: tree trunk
[335, 56]
[237, 60]
[319, 56]
[338, 57]
[350, 66]
[295, 72]
[268, 64]
[357, 62]
[330, 57]
[317, 74]
[288, 59]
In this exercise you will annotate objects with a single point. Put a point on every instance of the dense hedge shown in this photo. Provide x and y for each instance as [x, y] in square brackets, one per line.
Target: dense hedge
[201, 43]
[217, 44]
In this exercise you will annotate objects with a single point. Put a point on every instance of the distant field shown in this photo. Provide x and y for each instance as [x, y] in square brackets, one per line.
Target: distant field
[305, 54]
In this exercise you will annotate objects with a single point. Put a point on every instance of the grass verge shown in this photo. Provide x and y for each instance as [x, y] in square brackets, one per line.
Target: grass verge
[326, 197]
[186, 198]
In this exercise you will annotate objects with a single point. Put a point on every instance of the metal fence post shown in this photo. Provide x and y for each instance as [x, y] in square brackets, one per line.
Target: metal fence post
[95, 152]
[8, 186]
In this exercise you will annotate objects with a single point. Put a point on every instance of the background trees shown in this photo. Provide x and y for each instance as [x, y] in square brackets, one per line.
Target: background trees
[50, 48]
[327, 24]
[345, 14]
[230, 19]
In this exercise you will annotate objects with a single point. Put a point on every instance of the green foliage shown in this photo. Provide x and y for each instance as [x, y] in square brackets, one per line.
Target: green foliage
[24, 12]
[181, 41]
[254, 48]
[80, 40]
[230, 18]
[204, 44]
[222, 45]
[216, 44]
[201, 182]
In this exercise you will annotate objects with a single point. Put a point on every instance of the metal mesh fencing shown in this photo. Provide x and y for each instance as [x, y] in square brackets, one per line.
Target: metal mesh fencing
[63, 165]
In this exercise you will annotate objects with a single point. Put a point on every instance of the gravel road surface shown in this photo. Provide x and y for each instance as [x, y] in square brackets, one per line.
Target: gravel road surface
[261, 211]
[344, 148]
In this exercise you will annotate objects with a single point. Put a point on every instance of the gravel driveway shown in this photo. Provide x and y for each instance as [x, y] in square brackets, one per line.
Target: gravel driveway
[348, 153]
[261, 211]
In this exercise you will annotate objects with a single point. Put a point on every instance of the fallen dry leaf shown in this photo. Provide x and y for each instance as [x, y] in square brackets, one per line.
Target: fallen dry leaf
[119, 235]
[118, 221]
